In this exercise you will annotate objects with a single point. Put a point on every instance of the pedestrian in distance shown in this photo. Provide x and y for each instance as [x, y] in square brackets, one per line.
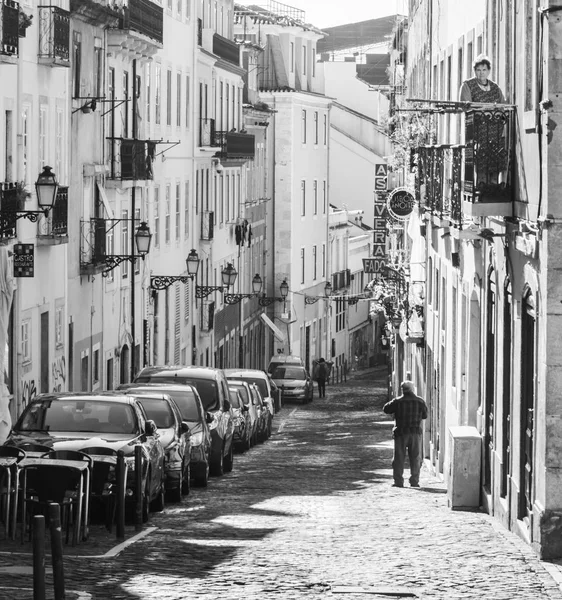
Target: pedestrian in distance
[321, 372]
[409, 411]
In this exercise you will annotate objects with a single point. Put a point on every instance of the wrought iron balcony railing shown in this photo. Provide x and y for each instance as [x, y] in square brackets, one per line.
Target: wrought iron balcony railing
[131, 159]
[93, 244]
[226, 49]
[55, 225]
[145, 17]
[207, 225]
[54, 35]
[341, 280]
[9, 27]
[235, 145]
[9, 204]
[475, 178]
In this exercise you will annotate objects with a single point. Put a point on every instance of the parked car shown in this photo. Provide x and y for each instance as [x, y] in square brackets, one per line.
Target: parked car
[267, 388]
[243, 388]
[189, 402]
[284, 360]
[77, 420]
[213, 388]
[174, 436]
[263, 413]
[294, 382]
[242, 431]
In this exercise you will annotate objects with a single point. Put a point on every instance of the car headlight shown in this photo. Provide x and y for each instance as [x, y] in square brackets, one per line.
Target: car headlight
[299, 389]
[197, 438]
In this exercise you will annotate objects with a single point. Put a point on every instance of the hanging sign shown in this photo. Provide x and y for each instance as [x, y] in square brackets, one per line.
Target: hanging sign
[24, 259]
[381, 177]
[400, 203]
[377, 262]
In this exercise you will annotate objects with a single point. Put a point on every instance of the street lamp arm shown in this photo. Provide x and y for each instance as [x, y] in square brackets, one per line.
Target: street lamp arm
[114, 260]
[161, 282]
[202, 291]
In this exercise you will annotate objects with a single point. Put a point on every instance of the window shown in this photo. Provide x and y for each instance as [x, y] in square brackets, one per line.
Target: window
[179, 7]
[125, 105]
[316, 128]
[303, 132]
[110, 249]
[325, 129]
[25, 125]
[125, 243]
[303, 198]
[42, 135]
[186, 211]
[98, 65]
[167, 215]
[178, 99]
[221, 199]
[76, 63]
[156, 217]
[26, 340]
[187, 102]
[169, 97]
[302, 265]
[59, 326]
[178, 213]
[304, 60]
[314, 259]
[148, 93]
[315, 189]
[313, 57]
[158, 92]
[292, 57]
[59, 146]
[96, 366]
[324, 260]
[324, 197]
[135, 224]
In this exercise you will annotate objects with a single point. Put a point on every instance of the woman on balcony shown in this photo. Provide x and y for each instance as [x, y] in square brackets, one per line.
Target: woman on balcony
[485, 132]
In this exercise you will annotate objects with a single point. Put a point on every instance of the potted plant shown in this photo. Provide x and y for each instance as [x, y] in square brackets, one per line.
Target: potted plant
[24, 22]
[22, 194]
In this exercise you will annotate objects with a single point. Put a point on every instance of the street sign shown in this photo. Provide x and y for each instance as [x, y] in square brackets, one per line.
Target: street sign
[374, 265]
[24, 259]
[381, 177]
[381, 170]
[400, 203]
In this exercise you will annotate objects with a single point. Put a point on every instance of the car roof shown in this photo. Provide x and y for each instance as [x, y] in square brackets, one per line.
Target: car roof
[148, 385]
[233, 373]
[239, 382]
[181, 371]
[111, 396]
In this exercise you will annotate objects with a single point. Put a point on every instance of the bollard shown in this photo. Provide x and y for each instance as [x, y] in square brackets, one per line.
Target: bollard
[56, 550]
[345, 370]
[138, 488]
[39, 557]
[120, 500]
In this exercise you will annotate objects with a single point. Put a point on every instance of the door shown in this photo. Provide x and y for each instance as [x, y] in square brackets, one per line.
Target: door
[44, 352]
[490, 385]
[506, 404]
[307, 348]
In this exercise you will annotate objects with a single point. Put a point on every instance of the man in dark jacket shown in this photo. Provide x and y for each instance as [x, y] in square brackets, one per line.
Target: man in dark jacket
[321, 372]
[409, 411]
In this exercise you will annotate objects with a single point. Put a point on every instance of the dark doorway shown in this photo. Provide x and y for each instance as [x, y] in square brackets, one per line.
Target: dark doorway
[124, 364]
[490, 384]
[44, 352]
[307, 347]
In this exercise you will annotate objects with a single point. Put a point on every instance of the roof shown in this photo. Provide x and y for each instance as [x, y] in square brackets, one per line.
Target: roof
[354, 35]
[274, 13]
[179, 371]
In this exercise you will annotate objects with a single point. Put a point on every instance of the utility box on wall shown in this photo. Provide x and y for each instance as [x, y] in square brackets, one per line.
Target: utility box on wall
[465, 445]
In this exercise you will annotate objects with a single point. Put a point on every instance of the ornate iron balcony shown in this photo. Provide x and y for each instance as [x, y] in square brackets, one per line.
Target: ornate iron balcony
[131, 159]
[207, 316]
[54, 35]
[9, 30]
[146, 17]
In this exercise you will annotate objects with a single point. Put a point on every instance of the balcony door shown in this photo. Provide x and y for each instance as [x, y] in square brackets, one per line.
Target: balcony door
[489, 392]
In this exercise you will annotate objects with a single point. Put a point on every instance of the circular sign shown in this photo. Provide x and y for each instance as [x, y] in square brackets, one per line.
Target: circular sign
[400, 203]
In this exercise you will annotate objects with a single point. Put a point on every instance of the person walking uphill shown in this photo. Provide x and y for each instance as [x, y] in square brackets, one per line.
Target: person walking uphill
[409, 411]
[321, 371]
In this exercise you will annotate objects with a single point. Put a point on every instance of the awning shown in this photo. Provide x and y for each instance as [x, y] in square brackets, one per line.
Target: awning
[276, 331]
[105, 200]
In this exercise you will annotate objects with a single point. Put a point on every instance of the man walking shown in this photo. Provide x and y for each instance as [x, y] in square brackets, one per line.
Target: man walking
[321, 371]
[409, 410]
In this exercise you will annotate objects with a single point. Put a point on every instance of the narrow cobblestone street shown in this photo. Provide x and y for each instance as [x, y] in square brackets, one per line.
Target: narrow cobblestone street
[310, 513]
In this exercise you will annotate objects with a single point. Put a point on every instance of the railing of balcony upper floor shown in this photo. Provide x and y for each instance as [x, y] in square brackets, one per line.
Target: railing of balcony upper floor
[144, 16]
[472, 178]
[54, 35]
[93, 244]
[9, 27]
[9, 205]
[55, 225]
[226, 49]
[235, 145]
[131, 159]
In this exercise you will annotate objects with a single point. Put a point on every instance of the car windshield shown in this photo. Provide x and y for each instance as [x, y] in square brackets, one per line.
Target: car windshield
[159, 411]
[243, 391]
[289, 373]
[207, 388]
[234, 397]
[187, 403]
[77, 415]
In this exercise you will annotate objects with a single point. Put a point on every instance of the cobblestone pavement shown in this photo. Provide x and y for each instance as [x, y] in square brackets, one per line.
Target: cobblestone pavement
[310, 513]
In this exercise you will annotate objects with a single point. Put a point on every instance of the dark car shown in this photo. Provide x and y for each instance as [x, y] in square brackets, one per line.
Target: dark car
[174, 436]
[213, 388]
[189, 402]
[77, 420]
[294, 382]
[241, 416]
[262, 411]
[266, 386]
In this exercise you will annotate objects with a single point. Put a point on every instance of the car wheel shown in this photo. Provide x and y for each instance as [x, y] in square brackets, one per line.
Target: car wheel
[217, 468]
[229, 460]
[202, 476]
[157, 505]
[186, 485]
[175, 494]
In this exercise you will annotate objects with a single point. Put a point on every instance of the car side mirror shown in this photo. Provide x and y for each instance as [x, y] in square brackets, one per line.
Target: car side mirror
[150, 427]
[184, 427]
[245, 408]
[209, 418]
[226, 405]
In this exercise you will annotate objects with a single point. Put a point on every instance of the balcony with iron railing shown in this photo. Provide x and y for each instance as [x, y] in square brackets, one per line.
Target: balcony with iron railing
[226, 49]
[93, 245]
[9, 30]
[235, 147]
[9, 205]
[140, 33]
[207, 316]
[101, 12]
[455, 182]
[131, 159]
[207, 225]
[53, 228]
[54, 36]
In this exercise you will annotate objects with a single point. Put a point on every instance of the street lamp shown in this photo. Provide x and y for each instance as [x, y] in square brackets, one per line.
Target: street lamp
[267, 300]
[46, 187]
[228, 277]
[143, 237]
[161, 282]
[256, 289]
[328, 289]
[192, 263]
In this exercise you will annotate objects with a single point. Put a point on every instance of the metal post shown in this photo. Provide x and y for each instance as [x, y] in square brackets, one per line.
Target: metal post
[56, 550]
[120, 504]
[133, 208]
[39, 557]
[138, 488]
